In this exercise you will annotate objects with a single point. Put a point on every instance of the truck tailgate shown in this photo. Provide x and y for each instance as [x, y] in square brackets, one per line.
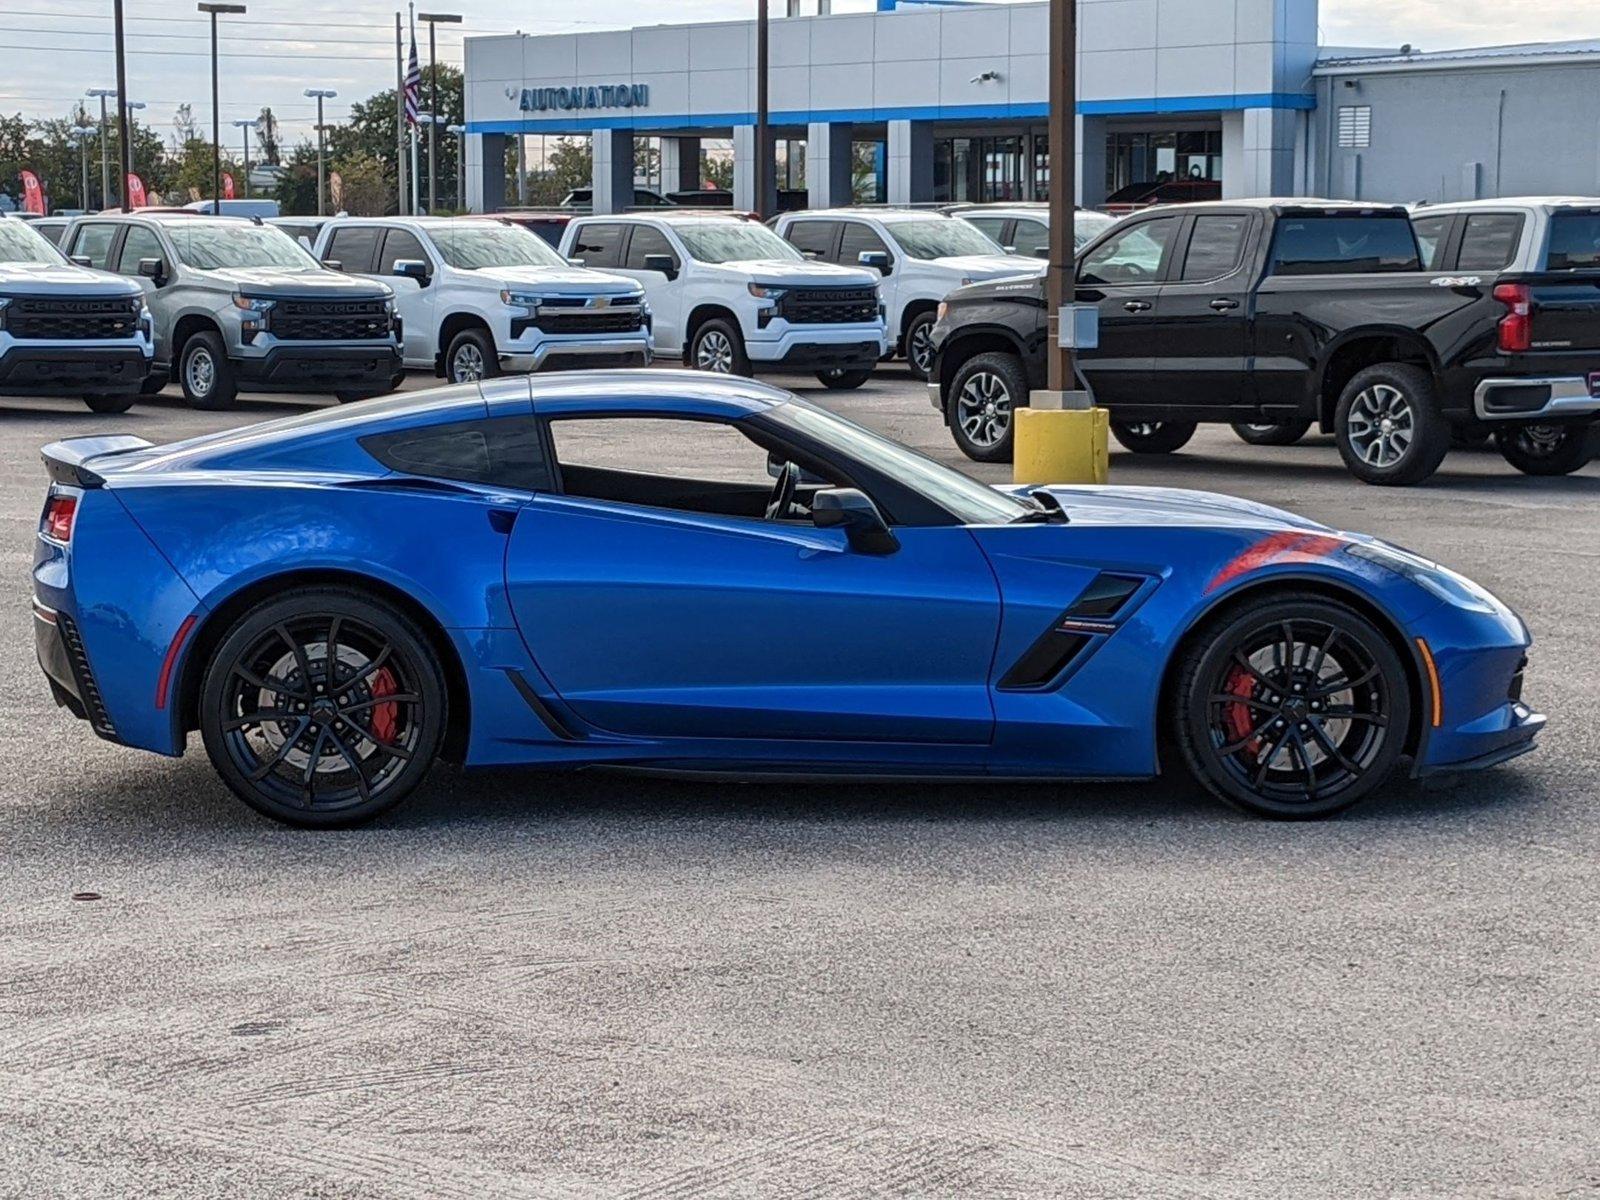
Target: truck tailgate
[1566, 309]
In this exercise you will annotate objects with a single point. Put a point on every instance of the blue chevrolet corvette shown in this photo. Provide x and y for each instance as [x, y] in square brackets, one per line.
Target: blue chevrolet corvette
[675, 571]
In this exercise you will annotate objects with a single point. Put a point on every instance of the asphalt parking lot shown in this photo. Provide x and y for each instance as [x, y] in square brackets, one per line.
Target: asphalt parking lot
[525, 985]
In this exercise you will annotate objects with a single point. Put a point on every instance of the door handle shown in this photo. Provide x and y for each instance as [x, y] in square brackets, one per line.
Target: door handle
[1222, 304]
[1136, 305]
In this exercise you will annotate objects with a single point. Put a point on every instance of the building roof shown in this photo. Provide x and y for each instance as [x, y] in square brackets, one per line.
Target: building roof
[1469, 56]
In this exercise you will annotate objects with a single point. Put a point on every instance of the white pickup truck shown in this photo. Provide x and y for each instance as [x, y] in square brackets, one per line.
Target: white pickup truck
[729, 295]
[478, 297]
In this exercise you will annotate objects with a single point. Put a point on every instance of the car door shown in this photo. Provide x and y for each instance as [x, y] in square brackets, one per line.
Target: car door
[1122, 277]
[814, 239]
[857, 238]
[661, 288]
[139, 243]
[654, 617]
[1199, 333]
[416, 300]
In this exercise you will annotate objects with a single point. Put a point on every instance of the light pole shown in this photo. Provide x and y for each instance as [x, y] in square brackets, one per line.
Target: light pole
[319, 95]
[764, 162]
[434, 19]
[245, 126]
[101, 94]
[125, 143]
[1059, 286]
[216, 116]
[125, 153]
[83, 133]
[461, 164]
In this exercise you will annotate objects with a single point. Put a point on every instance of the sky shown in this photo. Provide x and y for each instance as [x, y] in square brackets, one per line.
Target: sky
[54, 49]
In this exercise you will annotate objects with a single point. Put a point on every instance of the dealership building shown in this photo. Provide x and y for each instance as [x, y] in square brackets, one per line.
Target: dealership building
[947, 102]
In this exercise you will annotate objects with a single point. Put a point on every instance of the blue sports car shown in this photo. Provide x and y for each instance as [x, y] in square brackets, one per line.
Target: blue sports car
[674, 571]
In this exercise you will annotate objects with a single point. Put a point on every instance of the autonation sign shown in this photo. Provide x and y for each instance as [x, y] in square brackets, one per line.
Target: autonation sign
[605, 95]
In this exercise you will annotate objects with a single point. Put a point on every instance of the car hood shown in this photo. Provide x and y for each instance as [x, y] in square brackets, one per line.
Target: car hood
[992, 266]
[566, 279]
[64, 278]
[1170, 507]
[783, 272]
[266, 281]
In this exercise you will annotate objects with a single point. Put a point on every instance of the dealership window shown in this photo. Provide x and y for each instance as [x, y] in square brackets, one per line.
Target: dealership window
[979, 169]
[1134, 157]
[1355, 126]
[1489, 241]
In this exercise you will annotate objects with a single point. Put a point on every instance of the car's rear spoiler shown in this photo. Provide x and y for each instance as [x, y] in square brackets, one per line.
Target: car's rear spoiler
[66, 460]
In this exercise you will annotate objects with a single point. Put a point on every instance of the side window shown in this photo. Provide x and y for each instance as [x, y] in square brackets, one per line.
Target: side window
[1215, 247]
[645, 242]
[599, 245]
[1030, 239]
[94, 243]
[857, 240]
[814, 239]
[140, 243]
[1432, 235]
[399, 244]
[1132, 256]
[1489, 242]
[500, 452]
[991, 227]
[354, 248]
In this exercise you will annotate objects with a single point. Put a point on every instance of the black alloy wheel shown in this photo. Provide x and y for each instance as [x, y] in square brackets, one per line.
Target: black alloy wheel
[984, 396]
[1293, 708]
[323, 708]
[919, 343]
[1548, 449]
[1153, 437]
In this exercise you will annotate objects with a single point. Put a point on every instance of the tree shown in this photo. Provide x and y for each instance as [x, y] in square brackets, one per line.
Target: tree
[297, 189]
[364, 189]
[370, 132]
[267, 132]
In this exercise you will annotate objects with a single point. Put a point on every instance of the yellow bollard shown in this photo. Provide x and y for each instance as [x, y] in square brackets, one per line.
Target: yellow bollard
[1061, 445]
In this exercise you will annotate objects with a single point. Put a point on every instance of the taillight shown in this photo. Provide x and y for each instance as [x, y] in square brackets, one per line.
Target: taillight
[1516, 327]
[59, 510]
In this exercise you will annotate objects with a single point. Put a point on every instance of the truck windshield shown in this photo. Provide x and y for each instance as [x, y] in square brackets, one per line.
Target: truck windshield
[472, 246]
[18, 243]
[732, 241]
[219, 245]
[1574, 242]
[1356, 245]
[941, 237]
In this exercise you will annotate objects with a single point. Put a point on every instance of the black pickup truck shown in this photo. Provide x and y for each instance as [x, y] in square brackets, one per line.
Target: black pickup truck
[1274, 316]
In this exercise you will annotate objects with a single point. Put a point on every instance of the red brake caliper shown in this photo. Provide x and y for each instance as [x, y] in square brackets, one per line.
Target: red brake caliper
[386, 717]
[1237, 718]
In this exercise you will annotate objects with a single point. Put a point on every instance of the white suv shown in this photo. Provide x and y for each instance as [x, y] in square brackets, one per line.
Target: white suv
[730, 295]
[477, 297]
[922, 255]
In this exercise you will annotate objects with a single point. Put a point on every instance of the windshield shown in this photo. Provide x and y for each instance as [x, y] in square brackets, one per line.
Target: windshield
[940, 237]
[473, 245]
[732, 241]
[218, 245]
[1574, 241]
[18, 243]
[968, 500]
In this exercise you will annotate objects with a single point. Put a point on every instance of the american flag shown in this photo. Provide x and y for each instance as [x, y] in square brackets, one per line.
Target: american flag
[413, 83]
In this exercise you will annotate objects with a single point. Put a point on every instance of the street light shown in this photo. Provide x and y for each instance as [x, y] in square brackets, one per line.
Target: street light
[216, 117]
[434, 19]
[245, 126]
[764, 163]
[105, 144]
[461, 164]
[1059, 286]
[83, 133]
[319, 95]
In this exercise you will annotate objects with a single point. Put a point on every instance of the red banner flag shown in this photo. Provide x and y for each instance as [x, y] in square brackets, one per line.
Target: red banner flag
[32, 194]
[227, 186]
[135, 192]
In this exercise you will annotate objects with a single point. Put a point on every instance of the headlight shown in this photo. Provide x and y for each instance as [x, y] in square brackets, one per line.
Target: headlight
[5, 303]
[254, 304]
[765, 291]
[944, 307]
[1444, 583]
[520, 299]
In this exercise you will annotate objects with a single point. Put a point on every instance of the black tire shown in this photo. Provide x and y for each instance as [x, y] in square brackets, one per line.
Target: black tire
[110, 402]
[840, 380]
[1283, 433]
[1289, 747]
[1468, 437]
[1153, 437]
[918, 344]
[1388, 425]
[1548, 449]
[984, 396]
[153, 384]
[718, 347]
[366, 752]
[205, 373]
[470, 357]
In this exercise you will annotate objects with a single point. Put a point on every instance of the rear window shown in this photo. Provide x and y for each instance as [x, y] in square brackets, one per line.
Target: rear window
[1315, 245]
[1489, 241]
[499, 452]
[1574, 242]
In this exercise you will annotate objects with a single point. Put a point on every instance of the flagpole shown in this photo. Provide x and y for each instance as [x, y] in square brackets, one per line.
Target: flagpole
[416, 199]
[399, 115]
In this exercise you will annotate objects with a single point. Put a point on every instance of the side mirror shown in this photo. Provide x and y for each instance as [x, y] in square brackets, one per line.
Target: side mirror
[876, 259]
[80, 260]
[1009, 249]
[1041, 252]
[413, 268]
[574, 261]
[852, 510]
[663, 263]
[153, 269]
[333, 264]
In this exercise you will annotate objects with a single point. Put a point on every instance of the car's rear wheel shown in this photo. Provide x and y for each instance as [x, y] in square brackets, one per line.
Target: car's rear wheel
[1153, 437]
[718, 347]
[471, 357]
[1291, 707]
[1548, 449]
[205, 372]
[1267, 433]
[919, 343]
[840, 380]
[323, 707]
[110, 402]
[1388, 425]
[984, 396]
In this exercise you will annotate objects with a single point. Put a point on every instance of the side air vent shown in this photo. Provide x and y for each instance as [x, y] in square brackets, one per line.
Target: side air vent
[1105, 596]
[99, 719]
[1072, 636]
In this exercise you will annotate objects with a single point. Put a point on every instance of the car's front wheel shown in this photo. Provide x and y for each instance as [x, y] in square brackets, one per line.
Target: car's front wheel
[323, 707]
[984, 396]
[110, 402]
[919, 343]
[718, 347]
[1291, 706]
[205, 372]
[1266, 433]
[1548, 449]
[471, 357]
[1153, 437]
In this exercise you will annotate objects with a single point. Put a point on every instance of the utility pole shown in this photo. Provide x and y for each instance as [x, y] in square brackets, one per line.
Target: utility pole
[216, 106]
[105, 144]
[125, 146]
[245, 126]
[1060, 289]
[433, 20]
[319, 95]
[461, 164]
[83, 133]
[763, 137]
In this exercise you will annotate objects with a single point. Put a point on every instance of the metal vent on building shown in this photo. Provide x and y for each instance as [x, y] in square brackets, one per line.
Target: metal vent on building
[1355, 126]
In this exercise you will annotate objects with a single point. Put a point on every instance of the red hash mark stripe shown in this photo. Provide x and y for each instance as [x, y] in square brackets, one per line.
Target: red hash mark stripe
[1286, 547]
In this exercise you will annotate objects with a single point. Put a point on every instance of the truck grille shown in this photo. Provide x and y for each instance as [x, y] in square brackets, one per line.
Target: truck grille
[589, 320]
[829, 306]
[330, 320]
[64, 318]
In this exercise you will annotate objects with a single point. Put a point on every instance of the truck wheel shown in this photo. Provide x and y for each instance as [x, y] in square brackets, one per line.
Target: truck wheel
[919, 343]
[1153, 437]
[205, 372]
[471, 357]
[1388, 425]
[985, 393]
[840, 380]
[110, 402]
[1548, 449]
[153, 384]
[1285, 433]
[719, 348]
